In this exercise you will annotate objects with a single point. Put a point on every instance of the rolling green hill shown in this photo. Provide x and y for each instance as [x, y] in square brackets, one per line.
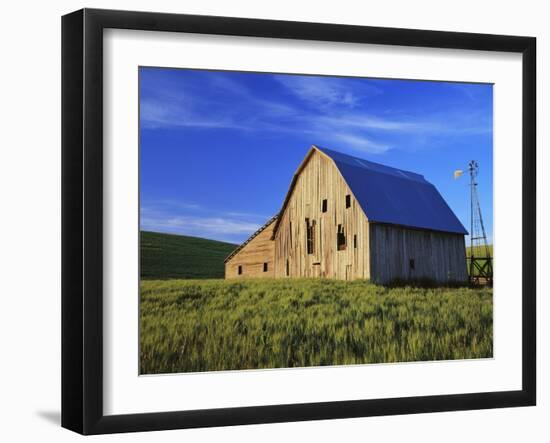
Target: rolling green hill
[167, 256]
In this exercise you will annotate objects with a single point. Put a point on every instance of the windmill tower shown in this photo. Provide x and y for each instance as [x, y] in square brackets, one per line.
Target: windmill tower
[479, 255]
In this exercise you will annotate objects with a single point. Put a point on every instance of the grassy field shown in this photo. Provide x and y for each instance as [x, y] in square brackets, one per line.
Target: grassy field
[165, 256]
[209, 325]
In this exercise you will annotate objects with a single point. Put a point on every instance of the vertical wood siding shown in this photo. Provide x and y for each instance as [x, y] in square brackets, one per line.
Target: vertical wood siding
[437, 255]
[252, 257]
[319, 180]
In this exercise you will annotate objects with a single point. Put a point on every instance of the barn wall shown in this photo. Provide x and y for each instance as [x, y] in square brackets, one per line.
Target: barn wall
[318, 180]
[252, 257]
[437, 256]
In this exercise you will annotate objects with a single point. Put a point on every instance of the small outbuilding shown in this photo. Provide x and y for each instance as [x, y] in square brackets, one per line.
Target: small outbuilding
[348, 218]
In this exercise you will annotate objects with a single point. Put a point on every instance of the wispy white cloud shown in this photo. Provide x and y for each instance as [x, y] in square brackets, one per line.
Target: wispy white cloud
[177, 204]
[360, 143]
[327, 91]
[328, 110]
[360, 120]
[162, 114]
[246, 215]
[226, 105]
[209, 227]
[172, 216]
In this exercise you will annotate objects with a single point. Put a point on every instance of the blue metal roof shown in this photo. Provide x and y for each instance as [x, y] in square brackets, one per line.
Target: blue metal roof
[390, 195]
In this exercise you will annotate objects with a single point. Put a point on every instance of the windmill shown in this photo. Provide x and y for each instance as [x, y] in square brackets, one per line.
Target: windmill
[479, 255]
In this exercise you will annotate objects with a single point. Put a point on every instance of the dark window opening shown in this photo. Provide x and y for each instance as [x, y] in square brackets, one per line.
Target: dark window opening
[287, 268]
[354, 241]
[240, 270]
[324, 205]
[340, 239]
[310, 236]
[348, 201]
[411, 264]
[265, 267]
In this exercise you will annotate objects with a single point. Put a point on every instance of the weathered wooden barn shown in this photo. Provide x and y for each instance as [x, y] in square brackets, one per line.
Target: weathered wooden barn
[348, 218]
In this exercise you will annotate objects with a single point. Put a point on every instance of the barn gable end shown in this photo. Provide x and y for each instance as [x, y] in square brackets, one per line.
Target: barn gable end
[319, 200]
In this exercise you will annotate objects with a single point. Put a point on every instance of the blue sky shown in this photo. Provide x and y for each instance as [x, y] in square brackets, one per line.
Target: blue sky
[218, 149]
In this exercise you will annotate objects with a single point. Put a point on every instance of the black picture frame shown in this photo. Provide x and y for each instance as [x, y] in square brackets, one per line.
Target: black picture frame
[82, 215]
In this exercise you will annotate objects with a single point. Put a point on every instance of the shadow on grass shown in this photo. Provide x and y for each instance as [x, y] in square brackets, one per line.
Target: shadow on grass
[431, 284]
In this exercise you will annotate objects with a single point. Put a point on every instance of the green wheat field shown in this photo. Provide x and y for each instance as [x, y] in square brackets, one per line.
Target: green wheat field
[213, 324]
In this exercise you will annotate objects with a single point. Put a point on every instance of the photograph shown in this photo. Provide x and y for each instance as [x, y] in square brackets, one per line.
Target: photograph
[292, 220]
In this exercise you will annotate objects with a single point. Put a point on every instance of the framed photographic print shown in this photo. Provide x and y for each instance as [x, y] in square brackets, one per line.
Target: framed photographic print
[269, 221]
